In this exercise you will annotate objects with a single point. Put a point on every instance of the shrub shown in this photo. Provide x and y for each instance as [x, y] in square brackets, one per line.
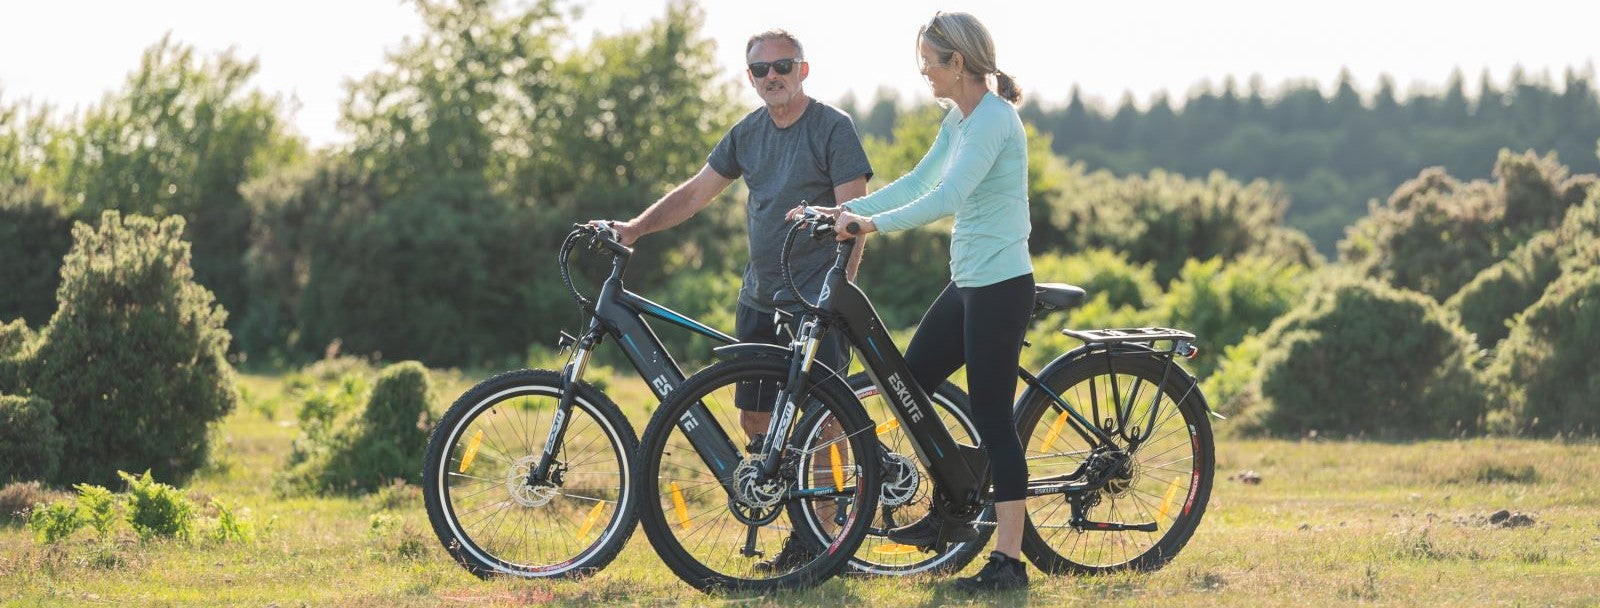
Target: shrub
[30, 442]
[1489, 303]
[1221, 303]
[1101, 273]
[1363, 358]
[157, 509]
[1227, 388]
[15, 341]
[341, 451]
[1546, 370]
[56, 522]
[231, 526]
[98, 508]
[1165, 219]
[1436, 234]
[133, 358]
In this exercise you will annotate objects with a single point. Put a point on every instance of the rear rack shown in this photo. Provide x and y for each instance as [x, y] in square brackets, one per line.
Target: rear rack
[1182, 341]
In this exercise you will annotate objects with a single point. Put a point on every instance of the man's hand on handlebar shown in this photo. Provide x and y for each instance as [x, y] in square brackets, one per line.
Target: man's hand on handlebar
[801, 210]
[623, 232]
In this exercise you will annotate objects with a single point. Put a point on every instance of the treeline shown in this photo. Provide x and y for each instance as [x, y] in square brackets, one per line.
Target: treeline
[1331, 153]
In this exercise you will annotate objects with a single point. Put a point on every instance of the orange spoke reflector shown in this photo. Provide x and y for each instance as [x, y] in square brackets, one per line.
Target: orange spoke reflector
[677, 505]
[1166, 501]
[892, 424]
[472, 451]
[1055, 431]
[838, 467]
[588, 522]
[894, 549]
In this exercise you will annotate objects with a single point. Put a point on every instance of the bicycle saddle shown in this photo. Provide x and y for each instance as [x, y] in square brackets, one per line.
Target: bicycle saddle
[1056, 296]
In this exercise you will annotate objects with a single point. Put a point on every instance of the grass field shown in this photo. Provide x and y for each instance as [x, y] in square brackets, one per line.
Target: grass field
[1327, 522]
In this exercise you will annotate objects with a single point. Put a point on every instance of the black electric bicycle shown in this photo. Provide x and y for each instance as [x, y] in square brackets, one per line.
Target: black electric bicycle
[528, 472]
[1125, 489]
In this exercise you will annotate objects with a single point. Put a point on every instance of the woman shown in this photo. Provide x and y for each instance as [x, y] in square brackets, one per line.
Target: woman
[977, 170]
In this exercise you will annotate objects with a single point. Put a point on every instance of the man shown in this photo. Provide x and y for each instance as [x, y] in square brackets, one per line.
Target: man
[791, 149]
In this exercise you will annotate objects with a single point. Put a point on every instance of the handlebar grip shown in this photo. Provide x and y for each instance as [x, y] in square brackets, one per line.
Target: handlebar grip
[853, 227]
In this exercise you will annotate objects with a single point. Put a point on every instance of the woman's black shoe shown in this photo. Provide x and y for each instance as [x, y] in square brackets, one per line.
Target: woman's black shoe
[1002, 573]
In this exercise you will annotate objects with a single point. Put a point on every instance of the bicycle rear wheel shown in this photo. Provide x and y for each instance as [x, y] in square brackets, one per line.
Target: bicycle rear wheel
[907, 494]
[1164, 478]
[714, 532]
[475, 479]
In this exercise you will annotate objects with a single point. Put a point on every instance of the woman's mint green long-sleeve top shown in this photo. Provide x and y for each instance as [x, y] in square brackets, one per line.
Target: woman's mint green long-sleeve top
[977, 170]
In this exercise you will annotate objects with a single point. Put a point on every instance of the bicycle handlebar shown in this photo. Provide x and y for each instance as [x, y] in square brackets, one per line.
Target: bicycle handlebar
[820, 225]
[602, 238]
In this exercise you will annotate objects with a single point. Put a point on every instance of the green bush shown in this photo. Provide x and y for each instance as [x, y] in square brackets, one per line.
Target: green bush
[1227, 388]
[1120, 294]
[1546, 370]
[55, 522]
[156, 509]
[16, 340]
[1492, 300]
[1166, 219]
[98, 508]
[1222, 303]
[343, 450]
[30, 442]
[1362, 358]
[133, 358]
[1101, 273]
[15, 337]
[1436, 234]
[231, 526]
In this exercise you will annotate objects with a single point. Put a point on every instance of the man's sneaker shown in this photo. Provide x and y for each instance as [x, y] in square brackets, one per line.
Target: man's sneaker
[924, 532]
[794, 554]
[1002, 573]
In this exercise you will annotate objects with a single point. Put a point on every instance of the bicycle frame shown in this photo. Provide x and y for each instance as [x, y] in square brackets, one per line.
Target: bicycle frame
[619, 313]
[961, 469]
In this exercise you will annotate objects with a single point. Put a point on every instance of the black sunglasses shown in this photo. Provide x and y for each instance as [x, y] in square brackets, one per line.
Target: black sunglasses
[783, 66]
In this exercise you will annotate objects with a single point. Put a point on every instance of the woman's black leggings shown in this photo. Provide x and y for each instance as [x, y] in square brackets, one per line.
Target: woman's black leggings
[982, 328]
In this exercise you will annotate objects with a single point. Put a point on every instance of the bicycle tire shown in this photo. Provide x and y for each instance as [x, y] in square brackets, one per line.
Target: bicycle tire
[495, 430]
[1170, 479]
[878, 556]
[707, 550]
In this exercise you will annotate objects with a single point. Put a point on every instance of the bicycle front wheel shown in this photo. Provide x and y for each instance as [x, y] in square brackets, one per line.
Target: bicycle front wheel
[1161, 476]
[488, 512]
[725, 532]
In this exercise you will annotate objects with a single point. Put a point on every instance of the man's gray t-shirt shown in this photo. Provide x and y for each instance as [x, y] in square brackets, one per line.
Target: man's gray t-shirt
[782, 167]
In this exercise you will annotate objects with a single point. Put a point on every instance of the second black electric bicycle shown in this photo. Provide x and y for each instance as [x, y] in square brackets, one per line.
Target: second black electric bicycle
[1117, 440]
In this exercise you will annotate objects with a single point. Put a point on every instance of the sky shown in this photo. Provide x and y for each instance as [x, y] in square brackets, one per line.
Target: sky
[70, 53]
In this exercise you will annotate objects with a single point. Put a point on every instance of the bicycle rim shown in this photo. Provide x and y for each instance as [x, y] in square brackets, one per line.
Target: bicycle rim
[491, 520]
[1167, 483]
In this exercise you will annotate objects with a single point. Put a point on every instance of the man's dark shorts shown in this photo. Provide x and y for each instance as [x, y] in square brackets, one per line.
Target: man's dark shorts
[752, 325]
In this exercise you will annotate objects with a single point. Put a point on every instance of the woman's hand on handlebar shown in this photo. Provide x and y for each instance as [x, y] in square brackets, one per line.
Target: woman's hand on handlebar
[845, 220]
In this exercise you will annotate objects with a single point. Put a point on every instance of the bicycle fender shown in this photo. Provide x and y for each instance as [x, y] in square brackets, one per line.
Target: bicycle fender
[1072, 356]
